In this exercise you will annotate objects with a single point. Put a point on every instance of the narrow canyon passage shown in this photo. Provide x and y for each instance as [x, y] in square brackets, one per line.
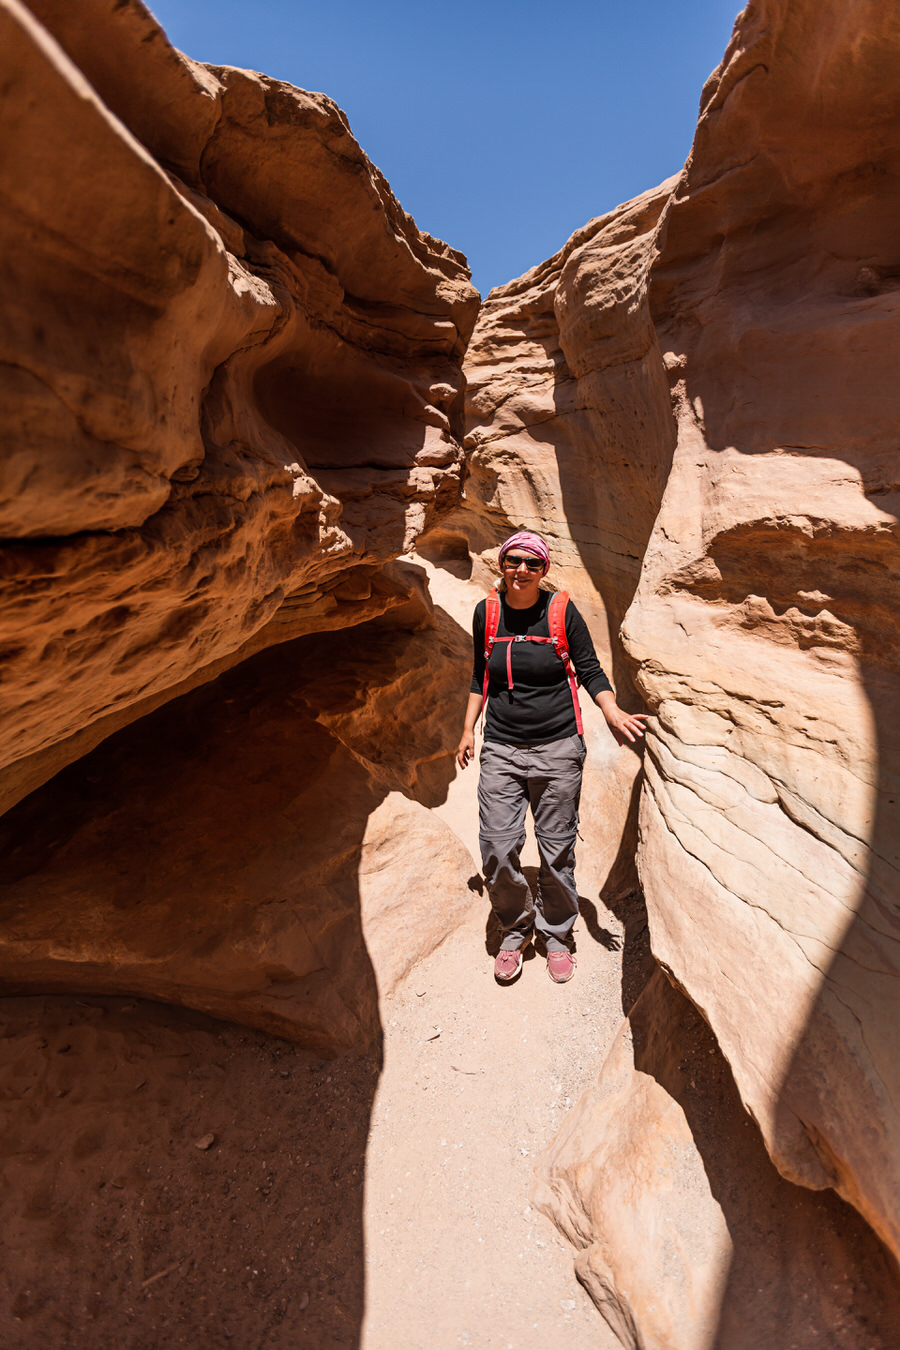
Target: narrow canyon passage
[477, 1080]
[170, 1179]
[265, 440]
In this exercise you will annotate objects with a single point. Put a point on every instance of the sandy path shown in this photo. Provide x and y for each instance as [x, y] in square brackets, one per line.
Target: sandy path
[455, 1255]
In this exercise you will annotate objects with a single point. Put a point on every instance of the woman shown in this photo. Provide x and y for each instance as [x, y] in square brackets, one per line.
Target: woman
[533, 753]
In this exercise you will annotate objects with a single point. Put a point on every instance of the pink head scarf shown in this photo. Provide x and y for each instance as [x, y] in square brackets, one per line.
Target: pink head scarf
[528, 540]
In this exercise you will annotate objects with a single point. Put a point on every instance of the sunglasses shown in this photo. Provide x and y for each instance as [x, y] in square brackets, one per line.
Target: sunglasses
[514, 561]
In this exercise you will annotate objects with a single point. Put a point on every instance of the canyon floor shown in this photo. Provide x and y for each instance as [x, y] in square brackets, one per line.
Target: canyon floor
[171, 1180]
[477, 1079]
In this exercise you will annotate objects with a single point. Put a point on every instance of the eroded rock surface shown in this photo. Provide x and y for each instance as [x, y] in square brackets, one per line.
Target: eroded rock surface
[688, 1236]
[762, 625]
[563, 368]
[253, 850]
[706, 378]
[230, 369]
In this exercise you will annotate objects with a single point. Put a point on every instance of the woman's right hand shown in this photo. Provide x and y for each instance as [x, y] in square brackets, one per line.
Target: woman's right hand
[466, 749]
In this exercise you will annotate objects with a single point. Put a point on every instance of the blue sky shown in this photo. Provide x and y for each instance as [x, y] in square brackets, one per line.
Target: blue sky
[501, 127]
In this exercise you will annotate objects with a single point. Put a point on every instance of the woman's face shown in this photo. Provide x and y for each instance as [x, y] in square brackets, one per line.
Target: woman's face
[522, 581]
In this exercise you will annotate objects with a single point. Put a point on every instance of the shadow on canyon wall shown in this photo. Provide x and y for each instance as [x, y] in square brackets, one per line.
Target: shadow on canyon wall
[824, 588]
[857, 571]
[612, 468]
[167, 1175]
[858, 1000]
[834, 587]
[837, 1084]
[806, 1270]
[777, 294]
[202, 856]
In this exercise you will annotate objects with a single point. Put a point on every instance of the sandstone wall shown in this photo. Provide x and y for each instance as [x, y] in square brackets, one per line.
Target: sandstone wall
[229, 373]
[568, 432]
[695, 399]
[686, 1234]
[763, 629]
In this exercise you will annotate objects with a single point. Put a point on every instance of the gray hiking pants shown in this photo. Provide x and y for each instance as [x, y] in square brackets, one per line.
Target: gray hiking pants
[548, 779]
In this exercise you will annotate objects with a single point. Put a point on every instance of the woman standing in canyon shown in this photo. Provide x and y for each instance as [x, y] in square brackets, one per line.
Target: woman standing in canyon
[533, 753]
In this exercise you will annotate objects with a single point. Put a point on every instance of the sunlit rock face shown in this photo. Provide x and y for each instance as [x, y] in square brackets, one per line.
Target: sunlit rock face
[696, 400]
[230, 371]
[764, 628]
[562, 368]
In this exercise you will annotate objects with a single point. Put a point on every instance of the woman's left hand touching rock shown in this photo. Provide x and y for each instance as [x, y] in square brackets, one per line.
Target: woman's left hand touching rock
[624, 726]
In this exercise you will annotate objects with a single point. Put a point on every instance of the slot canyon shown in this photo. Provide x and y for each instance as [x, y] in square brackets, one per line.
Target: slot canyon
[262, 442]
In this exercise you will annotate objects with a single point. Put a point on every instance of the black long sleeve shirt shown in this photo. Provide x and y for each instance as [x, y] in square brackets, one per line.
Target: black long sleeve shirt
[539, 707]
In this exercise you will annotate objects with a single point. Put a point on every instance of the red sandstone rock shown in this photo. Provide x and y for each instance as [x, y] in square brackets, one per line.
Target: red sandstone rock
[766, 638]
[260, 849]
[230, 366]
[687, 1234]
[698, 390]
[727, 363]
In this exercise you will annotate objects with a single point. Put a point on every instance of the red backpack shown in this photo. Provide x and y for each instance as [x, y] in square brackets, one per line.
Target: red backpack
[556, 618]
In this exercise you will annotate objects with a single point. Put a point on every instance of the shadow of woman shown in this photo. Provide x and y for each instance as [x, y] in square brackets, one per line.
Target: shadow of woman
[493, 933]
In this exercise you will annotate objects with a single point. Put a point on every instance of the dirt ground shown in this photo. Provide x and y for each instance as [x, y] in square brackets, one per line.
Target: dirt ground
[171, 1181]
[123, 1225]
[476, 1082]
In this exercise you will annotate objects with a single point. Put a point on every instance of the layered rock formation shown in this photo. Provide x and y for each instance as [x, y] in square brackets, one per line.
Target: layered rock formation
[260, 849]
[563, 373]
[706, 376]
[687, 1235]
[763, 625]
[230, 374]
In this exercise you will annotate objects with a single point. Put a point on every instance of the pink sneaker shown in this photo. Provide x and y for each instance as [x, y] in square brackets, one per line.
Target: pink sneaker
[560, 966]
[507, 966]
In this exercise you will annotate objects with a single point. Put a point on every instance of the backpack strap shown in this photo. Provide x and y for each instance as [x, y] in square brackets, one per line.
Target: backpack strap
[491, 624]
[556, 617]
